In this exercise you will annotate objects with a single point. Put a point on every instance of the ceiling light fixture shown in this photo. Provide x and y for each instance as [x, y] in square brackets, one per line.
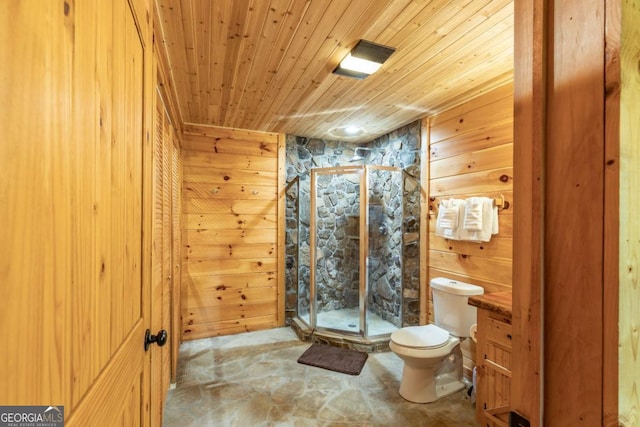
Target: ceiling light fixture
[364, 59]
[353, 130]
[348, 131]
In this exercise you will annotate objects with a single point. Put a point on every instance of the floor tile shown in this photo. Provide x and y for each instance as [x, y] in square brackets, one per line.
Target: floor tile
[254, 380]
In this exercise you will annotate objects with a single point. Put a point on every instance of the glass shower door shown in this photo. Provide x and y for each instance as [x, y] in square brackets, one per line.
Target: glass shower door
[336, 248]
[298, 252]
[384, 281]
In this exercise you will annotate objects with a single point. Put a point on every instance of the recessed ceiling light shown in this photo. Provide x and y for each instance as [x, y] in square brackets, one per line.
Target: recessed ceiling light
[352, 130]
[359, 65]
[347, 131]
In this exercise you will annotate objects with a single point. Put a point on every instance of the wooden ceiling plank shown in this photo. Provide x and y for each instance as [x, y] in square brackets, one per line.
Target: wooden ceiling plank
[263, 22]
[445, 20]
[276, 76]
[379, 122]
[235, 32]
[448, 98]
[315, 28]
[246, 16]
[271, 59]
[468, 68]
[436, 11]
[183, 52]
[376, 12]
[220, 15]
[201, 16]
[422, 80]
[170, 12]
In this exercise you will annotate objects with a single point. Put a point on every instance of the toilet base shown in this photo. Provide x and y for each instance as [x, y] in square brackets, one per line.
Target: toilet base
[419, 385]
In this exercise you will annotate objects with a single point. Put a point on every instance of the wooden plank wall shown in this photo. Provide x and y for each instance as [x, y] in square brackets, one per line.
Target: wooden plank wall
[231, 211]
[471, 154]
[629, 368]
[612, 215]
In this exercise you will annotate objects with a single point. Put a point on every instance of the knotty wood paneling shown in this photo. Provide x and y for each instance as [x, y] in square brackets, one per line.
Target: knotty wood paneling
[267, 65]
[471, 154]
[230, 256]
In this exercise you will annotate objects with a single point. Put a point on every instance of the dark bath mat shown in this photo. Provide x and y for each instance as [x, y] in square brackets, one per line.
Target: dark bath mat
[335, 359]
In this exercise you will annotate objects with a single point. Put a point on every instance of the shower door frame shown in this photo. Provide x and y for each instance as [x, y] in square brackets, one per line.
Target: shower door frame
[363, 234]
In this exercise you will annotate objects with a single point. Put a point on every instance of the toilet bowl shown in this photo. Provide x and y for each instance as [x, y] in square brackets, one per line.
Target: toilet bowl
[424, 350]
[431, 353]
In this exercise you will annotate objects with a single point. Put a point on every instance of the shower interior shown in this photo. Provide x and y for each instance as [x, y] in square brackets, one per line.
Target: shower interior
[351, 224]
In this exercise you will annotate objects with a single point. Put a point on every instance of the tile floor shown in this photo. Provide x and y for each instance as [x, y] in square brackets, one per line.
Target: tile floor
[253, 379]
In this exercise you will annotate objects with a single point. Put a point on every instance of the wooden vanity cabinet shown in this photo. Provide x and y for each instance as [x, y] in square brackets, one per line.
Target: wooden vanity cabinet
[493, 372]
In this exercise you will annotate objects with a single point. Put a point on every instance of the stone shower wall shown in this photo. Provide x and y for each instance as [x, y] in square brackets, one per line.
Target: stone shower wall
[385, 245]
[337, 240]
[394, 273]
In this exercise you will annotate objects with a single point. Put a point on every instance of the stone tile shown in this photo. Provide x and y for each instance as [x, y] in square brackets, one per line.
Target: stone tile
[254, 380]
[348, 405]
[287, 392]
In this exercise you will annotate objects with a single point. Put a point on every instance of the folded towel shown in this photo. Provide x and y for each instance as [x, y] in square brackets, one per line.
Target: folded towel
[448, 217]
[489, 224]
[447, 223]
[473, 213]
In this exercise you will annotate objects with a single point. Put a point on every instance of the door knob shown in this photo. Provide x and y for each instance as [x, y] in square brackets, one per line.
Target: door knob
[160, 339]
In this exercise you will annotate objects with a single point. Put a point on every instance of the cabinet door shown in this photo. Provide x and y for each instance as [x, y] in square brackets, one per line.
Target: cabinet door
[494, 369]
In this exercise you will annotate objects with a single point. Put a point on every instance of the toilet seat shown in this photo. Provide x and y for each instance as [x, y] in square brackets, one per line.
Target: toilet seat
[421, 337]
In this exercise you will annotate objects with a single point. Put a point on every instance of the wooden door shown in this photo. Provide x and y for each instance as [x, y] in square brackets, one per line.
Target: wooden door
[162, 263]
[73, 270]
[176, 261]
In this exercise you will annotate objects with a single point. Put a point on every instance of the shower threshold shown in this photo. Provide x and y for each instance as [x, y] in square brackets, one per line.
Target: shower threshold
[339, 328]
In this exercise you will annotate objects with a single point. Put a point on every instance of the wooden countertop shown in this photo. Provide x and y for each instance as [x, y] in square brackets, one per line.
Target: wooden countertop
[497, 302]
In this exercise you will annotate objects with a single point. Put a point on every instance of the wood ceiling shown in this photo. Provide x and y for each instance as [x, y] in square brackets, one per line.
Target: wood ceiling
[267, 64]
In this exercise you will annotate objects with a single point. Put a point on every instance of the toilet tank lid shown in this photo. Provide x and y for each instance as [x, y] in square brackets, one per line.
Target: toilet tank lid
[455, 287]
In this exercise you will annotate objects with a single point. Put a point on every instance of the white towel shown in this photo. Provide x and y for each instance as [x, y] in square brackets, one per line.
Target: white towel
[473, 213]
[495, 226]
[489, 224]
[448, 221]
[448, 216]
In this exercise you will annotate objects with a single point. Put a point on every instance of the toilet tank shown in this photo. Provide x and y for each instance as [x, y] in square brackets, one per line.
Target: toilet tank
[451, 310]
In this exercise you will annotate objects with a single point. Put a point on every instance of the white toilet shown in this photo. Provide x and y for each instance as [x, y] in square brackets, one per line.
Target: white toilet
[431, 353]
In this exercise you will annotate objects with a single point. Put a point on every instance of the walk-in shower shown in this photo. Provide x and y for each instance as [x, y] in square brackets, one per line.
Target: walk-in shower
[351, 226]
